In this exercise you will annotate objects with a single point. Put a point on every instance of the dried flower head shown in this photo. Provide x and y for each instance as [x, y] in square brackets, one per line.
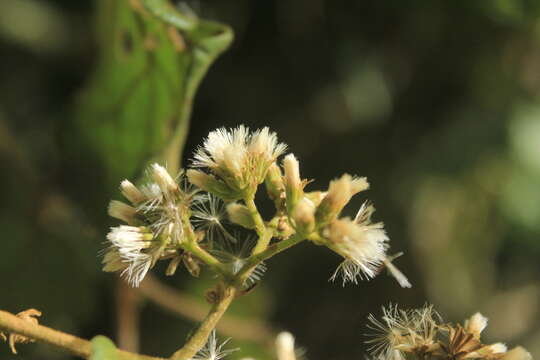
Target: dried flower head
[420, 334]
[239, 158]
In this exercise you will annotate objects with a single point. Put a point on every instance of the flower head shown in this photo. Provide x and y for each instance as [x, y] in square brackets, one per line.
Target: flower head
[155, 227]
[404, 331]
[239, 159]
[421, 334]
[363, 247]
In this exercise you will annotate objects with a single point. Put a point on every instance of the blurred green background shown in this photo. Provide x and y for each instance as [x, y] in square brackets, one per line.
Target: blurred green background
[436, 102]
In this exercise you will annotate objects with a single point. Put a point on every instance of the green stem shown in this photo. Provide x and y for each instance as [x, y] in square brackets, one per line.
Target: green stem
[197, 341]
[205, 257]
[257, 219]
[270, 251]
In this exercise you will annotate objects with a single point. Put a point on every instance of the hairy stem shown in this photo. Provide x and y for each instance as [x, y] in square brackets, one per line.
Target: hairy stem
[197, 341]
[67, 342]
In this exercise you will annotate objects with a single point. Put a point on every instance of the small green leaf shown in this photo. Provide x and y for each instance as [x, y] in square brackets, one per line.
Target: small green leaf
[103, 349]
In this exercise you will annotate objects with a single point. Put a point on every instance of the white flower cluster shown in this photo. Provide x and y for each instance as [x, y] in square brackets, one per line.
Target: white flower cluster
[238, 158]
[238, 161]
[362, 244]
[154, 226]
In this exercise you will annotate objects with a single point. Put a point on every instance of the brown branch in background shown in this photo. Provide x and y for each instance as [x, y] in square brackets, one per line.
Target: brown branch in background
[187, 307]
[127, 316]
[12, 324]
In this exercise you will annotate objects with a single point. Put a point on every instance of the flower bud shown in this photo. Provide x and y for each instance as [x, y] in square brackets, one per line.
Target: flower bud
[239, 214]
[122, 211]
[173, 264]
[274, 182]
[517, 353]
[191, 265]
[285, 346]
[304, 216]
[130, 192]
[212, 185]
[293, 183]
[161, 176]
[340, 192]
[476, 324]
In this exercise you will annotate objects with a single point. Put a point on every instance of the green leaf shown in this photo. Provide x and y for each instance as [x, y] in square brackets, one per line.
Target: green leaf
[103, 349]
[137, 104]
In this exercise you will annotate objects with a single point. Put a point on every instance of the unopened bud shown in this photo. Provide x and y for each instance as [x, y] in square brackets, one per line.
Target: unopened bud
[339, 194]
[130, 192]
[274, 182]
[173, 265]
[122, 211]
[293, 183]
[239, 214]
[304, 216]
[285, 346]
[212, 185]
[315, 197]
[476, 324]
[517, 353]
[191, 265]
[164, 180]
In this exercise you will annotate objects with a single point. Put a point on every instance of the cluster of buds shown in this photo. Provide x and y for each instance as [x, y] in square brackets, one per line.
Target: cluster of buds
[421, 334]
[162, 215]
[360, 242]
[155, 219]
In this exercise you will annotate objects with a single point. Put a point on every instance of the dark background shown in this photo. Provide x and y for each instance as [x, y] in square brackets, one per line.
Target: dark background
[436, 102]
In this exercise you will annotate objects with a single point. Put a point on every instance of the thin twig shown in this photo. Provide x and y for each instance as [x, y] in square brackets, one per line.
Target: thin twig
[197, 341]
[67, 342]
[187, 307]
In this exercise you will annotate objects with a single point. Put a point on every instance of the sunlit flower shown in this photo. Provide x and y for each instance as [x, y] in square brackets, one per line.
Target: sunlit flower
[362, 246]
[238, 157]
[130, 251]
[155, 224]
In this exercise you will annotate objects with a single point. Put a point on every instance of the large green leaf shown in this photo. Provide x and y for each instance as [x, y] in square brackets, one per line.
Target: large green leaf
[137, 104]
[103, 349]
